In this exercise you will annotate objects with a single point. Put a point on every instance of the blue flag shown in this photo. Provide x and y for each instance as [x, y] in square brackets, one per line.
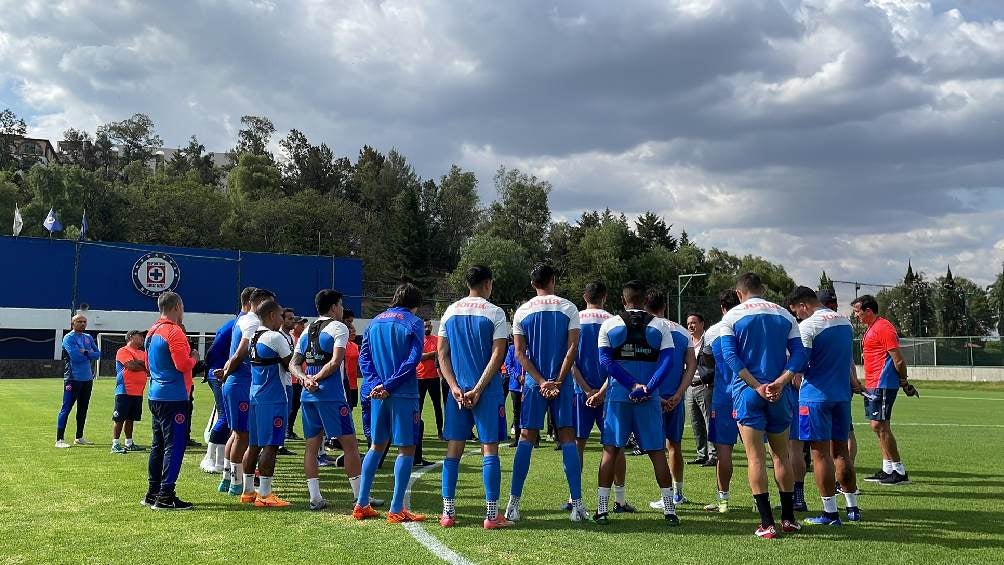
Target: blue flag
[83, 226]
[51, 223]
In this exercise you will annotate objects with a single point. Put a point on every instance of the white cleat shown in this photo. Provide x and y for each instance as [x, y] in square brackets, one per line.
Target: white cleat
[82, 441]
[656, 505]
[208, 466]
[512, 514]
[579, 514]
[61, 444]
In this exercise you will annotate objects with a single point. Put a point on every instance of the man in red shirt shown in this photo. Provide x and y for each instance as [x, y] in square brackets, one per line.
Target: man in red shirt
[428, 377]
[351, 372]
[885, 373]
[130, 381]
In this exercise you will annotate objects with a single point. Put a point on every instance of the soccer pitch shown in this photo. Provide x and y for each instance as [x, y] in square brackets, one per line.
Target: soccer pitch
[81, 505]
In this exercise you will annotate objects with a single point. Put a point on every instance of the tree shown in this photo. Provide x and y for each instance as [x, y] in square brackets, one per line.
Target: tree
[135, 138]
[654, 231]
[11, 128]
[521, 212]
[825, 283]
[684, 239]
[253, 138]
[309, 166]
[510, 265]
[995, 300]
[455, 207]
[951, 307]
[180, 213]
[255, 177]
[910, 305]
[77, 148]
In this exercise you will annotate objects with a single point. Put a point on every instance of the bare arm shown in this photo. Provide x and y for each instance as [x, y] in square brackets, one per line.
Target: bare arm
[900, 364]
[446, 365]
[236, 359]
[529, 369]
[570, 355]
[581, 381]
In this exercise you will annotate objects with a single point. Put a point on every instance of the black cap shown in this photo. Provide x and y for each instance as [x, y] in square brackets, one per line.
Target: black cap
[826, 296]
[131, 333]
[300, 320]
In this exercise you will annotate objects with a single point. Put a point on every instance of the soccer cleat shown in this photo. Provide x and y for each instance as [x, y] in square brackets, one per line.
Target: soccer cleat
[656, 504]
[403, 517]
[498, 523]
[722, 507]
[853, 514]
[698, 461]
[678, 498]
[82, 441]
[566, 507]
[61, 444]
[625, 508]
[236, 489]
[224, 485]
[248, 498]
[877, 477]
[766, 532]
[512, 514]
[292, 435]
[283, 451]
[171, 503]
[894, 479]
[318, 504]
[413, 517]
[672, 519]
[135, 447]
[514, 443]
[800, 506]
[364, 512]
[207, 465]
[839, 489]
[149, 500]
[322, 460]
[270, 501]
[790, 526]
[823, 520]
[447, 521]
[579, 515]
[116, 448]
[601, 519]
[711, 462]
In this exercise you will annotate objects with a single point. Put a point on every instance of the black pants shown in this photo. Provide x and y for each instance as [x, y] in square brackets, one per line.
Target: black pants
[435, 392]
[79, 393]
[517, 410]
[191, 409]
[170, 437]
[294, 406]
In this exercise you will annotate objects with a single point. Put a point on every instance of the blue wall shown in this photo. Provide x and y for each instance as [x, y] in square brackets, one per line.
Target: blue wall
[38, 273]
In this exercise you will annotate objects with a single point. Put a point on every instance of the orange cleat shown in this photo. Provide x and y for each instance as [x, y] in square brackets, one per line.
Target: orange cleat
[412, 517]
[404, 516]
[248, 497]
[364, 512]
[498, 523]
[271, 501]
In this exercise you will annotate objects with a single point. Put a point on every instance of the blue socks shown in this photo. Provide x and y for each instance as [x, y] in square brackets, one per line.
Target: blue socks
[521, 466]
[573, 471]
[491, 474]
[402, 474]
[370, 464]
[451, 468]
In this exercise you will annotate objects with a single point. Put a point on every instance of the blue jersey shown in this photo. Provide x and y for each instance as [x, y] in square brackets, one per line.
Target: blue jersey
[588, 357]
[758, 336]
[471, 326]
[392, 348]
[642, 354]
[513, 369]
[827, 337]
[721, 395]
[245, 327]
[681, 343]
[170, 362]
[269, 349]
[334, 335]
[219, 351]
[78, 352]
[545, 322]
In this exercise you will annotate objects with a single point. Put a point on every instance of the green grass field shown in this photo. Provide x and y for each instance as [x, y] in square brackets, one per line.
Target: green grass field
[81, 505]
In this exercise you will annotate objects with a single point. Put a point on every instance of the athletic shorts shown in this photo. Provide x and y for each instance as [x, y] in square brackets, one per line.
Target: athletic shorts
[585, 417]
[880, 409]
[268, 423]
[394, 420]
[488, 415]
[620, 419]
[754, 411]
[672, 423]
[237, 397]
[824, 421]
[793, 429]
[333, 418]
[535, 407]
[722, 426]
[128, 408]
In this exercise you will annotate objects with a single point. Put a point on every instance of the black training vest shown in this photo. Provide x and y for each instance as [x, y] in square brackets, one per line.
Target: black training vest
[253, 352]
[314, 355]
[636, 346]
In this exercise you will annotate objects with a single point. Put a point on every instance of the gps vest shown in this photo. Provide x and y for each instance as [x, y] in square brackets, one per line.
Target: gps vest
[253, 352]
[314, 355]
[636, 346]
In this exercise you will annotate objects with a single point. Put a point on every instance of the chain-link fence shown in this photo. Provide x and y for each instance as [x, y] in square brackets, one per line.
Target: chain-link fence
[967, 351]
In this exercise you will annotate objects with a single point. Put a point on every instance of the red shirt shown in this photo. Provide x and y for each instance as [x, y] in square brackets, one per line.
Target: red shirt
[352, 364]
[427, 369]
[132, 382]
[879, 339]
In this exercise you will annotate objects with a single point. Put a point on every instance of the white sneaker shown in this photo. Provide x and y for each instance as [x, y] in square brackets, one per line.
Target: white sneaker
[579, 514]
[217, 469]
[207, 465]
[512, 514]
[82, 441]
[318, 504]
[61, 444]
[656, 505]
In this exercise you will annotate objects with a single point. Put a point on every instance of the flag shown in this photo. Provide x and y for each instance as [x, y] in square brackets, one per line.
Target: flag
[51, 223]
[83, 226]
[18, 222]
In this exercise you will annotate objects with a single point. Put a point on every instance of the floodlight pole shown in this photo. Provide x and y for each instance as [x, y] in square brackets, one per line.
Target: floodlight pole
[680, 287]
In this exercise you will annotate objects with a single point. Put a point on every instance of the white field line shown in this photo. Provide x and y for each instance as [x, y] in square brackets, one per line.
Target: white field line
[430, 542]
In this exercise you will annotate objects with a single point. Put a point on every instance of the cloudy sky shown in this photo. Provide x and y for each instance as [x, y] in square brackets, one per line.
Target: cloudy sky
[839, 134]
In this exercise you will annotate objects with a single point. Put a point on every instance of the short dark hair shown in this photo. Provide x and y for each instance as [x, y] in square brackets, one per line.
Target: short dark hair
[633, 292]
[168, 301]
[348, 313]
[696, 315]
[260, 295]
[655, 300]
[477, 275]
[246, 294]
[288, 311]
[266, 307]
[595, 292]
[801, 294]
[728, 299]
[749, 282]
[407, 296]
[866, 302]
[541, 274]
[325, 299]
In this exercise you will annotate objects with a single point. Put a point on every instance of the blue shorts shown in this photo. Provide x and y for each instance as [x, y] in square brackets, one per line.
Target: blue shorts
[672, 423]
[722, 426]
[268, 423]
[620, 419]
[754, 411]
[394, 420]
[585, 417]
[793, 429]
[488, 415]
[824, 421]
[880, 409]
[237, 397]
[333, 418]
[536, 406]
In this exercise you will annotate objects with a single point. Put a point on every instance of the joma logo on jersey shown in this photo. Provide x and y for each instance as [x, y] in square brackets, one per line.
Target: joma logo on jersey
[546, 302]
[473, 305]
[593, 316]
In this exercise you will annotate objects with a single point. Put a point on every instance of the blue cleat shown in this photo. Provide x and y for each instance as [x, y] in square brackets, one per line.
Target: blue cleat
[823, 520]
[236, 490]
[224, 485]
[853, 514]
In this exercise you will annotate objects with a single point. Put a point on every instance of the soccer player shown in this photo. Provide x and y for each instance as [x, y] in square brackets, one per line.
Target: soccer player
[637, 350]
[796, 449]
[590, 380]
[763, 347]
[294, 405]
[236, 377]
[268, 351]
[828, 298]
[723, 430]
[171, 360]
[473, 334]
[515, 377]
[288, 321]
[546, 336]
[392, 348]
[325, 412]
[130, 381]
[824, 401]
[672, 391]
[79, 351]
[885, 372]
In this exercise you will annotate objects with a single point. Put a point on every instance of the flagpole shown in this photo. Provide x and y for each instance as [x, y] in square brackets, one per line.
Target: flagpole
[76, 273]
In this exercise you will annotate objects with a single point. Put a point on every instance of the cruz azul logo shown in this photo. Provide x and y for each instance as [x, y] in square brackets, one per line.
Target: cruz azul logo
[155, 273]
